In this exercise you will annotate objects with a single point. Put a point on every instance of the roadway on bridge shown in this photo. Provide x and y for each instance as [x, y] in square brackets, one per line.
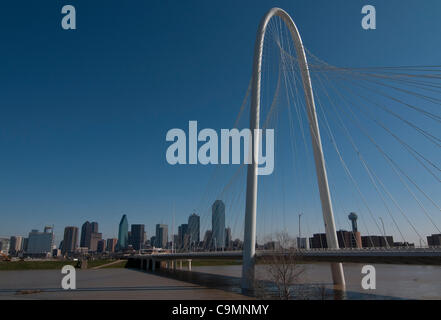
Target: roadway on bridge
[386, 255]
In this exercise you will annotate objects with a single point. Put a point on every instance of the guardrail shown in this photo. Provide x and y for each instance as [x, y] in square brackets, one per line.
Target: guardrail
[349, 252]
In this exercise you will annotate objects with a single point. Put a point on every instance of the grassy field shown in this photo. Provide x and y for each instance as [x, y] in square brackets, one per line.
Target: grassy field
[54, 264]
[209, 262]
[120, 264]
[58, 264]
[97, 263]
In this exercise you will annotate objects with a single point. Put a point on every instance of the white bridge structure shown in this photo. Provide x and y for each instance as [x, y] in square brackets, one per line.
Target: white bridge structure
[395, 93]
[157, 261]
[251, 192]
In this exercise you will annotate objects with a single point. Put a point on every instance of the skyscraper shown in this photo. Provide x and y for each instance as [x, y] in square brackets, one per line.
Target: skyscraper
[228, 238]
[95, 237]
[349, 239]
[138, 236]
[70, 240]
[86, 233]
[176, 241]
[161, 236]
[4, 245]
[194, 228]
[318, 241]
[101, 246]
[218, 224]
[40, 242]
[25, 244]
[207, 243]
[433, 240]
[111, 244]
[15, 245]
[123, 233]
[182, 231]
[94, 226]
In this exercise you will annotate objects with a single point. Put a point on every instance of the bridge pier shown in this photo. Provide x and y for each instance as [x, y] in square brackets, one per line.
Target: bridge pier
[189, 264]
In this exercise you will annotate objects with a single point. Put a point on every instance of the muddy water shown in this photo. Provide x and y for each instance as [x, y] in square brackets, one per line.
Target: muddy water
[392, 281]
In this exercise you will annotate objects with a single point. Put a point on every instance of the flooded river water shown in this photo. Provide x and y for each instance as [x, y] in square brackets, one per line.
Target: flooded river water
[392, 281]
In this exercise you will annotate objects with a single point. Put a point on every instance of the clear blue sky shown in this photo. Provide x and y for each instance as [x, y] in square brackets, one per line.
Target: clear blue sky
[84, 113]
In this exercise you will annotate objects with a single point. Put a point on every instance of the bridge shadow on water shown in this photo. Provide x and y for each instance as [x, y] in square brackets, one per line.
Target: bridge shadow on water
[265, 289]
[226, 283]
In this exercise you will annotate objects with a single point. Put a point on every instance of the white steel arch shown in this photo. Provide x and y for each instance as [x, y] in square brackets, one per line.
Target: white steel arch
[251, 193]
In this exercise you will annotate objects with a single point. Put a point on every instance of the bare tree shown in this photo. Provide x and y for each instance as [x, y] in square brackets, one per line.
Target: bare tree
[281, 266]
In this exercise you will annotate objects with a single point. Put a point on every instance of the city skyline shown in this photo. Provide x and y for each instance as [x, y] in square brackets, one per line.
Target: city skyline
[230, 153]
[137, 237]
[101, 152]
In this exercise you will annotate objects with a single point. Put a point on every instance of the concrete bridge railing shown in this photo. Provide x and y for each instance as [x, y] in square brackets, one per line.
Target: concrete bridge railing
[153, 262]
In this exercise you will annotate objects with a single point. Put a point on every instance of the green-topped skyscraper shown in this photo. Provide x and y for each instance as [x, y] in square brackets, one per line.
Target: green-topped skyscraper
[123, 233]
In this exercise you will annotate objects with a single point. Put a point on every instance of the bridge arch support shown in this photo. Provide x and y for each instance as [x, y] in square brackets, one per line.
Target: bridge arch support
[248, 268]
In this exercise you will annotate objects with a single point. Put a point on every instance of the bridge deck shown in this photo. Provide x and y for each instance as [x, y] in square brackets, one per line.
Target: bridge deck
[339, 253]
